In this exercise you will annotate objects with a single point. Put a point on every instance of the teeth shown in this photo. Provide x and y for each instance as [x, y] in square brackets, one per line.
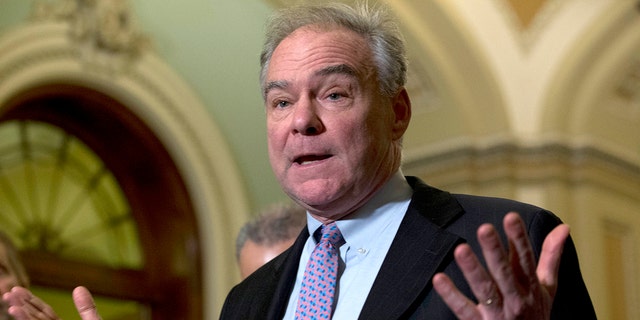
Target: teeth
[310, 159]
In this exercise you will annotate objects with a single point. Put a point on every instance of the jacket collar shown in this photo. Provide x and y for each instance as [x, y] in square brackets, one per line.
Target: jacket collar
[418, 250]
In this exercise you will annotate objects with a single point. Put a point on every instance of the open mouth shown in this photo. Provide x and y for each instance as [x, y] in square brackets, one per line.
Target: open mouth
[307, 159]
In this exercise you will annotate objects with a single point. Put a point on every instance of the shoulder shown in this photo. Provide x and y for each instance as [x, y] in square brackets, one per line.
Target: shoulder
[462, 214]
[493, 210]
[478, 210]
[473, 203]
[251, 298]
[446, 208]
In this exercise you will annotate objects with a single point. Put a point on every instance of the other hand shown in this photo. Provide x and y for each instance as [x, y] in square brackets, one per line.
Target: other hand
[23, 305]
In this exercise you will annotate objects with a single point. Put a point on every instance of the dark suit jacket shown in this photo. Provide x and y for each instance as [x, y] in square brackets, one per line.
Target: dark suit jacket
[435, 222]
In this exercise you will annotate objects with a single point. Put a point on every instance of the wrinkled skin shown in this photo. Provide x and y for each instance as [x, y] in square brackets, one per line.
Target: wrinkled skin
[333, 139]
[513, 287]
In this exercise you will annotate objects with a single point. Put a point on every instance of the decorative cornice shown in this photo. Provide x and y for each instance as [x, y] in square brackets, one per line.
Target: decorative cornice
[629, 88]
[424, 95]
[528, 36]
[103, 31]
[526, 163]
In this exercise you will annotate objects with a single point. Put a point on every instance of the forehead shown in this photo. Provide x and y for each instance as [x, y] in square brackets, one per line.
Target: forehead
[311, 48]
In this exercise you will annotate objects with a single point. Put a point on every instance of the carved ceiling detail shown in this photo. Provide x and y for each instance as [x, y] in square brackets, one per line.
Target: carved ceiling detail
[526, 11]
[628, 91]
[103, 30]
[423, 93]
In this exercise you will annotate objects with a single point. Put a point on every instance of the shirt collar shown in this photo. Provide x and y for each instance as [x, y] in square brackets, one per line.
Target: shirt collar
[371, 216]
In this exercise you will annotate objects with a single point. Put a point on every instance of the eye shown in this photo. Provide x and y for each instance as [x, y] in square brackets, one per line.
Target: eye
[282, 104]
[334, 96]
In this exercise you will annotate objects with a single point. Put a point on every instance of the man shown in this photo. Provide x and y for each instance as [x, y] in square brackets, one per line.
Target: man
[265, 237]
[333, 84]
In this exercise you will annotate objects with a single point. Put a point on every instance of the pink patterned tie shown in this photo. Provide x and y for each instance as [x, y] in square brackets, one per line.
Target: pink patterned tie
[319, 281]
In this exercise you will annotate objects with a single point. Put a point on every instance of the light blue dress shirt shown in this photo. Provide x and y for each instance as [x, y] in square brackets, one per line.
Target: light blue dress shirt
[368, 233]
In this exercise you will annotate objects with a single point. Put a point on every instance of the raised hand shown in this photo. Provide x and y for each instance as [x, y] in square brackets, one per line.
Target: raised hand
[513, 287]
[23, 305]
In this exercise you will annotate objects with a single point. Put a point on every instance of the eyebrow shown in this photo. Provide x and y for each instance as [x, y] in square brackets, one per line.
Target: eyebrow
[335, 69]
[278, 84]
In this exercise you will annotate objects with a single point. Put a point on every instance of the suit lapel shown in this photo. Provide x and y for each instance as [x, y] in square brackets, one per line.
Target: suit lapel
[284, 272]
[420, 247]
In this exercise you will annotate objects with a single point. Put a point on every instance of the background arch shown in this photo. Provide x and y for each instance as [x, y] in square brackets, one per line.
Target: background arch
[586, 100]
[42, 53]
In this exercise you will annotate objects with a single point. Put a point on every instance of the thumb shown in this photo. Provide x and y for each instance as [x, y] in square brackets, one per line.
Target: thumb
[84, 304]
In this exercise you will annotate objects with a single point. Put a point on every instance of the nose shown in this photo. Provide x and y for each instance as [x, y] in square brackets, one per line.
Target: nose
[306, 120]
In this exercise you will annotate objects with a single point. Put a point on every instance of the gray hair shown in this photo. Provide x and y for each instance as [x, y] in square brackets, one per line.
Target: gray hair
[374, 23]
[279, 222]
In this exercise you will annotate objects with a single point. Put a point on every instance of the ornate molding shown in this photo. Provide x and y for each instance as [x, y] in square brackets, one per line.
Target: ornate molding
[424, 94]
[44, 52]
[103, 31]
[628, 90]
[510, 161]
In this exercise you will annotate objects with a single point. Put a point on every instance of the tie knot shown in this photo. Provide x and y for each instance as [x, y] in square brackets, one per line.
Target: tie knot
[331, 233]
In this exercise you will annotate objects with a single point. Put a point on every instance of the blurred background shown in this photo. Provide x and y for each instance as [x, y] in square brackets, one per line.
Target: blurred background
[132, 145]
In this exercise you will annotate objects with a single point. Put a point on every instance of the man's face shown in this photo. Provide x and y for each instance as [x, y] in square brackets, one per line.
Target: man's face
[253, 255]
[330, 132]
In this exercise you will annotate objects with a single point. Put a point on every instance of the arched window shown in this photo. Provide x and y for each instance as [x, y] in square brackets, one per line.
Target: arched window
[92, 196]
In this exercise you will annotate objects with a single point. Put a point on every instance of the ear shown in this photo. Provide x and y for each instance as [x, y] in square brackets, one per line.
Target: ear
[402, 111]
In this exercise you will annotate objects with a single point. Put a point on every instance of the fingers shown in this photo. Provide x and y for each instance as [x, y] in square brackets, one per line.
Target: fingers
[462, 307]
[23, 305]
[40, 308]
[513, 272]
[513, 284]
[549, 264]
[480, 281]
[84, 304]
[521, 251]
[16, 296]
[497, 262]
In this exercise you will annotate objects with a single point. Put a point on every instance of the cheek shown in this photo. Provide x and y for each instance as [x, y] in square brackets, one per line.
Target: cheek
[275, 149]
[369, 145]
[276, 130]
[360, 139]
[274, 141]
